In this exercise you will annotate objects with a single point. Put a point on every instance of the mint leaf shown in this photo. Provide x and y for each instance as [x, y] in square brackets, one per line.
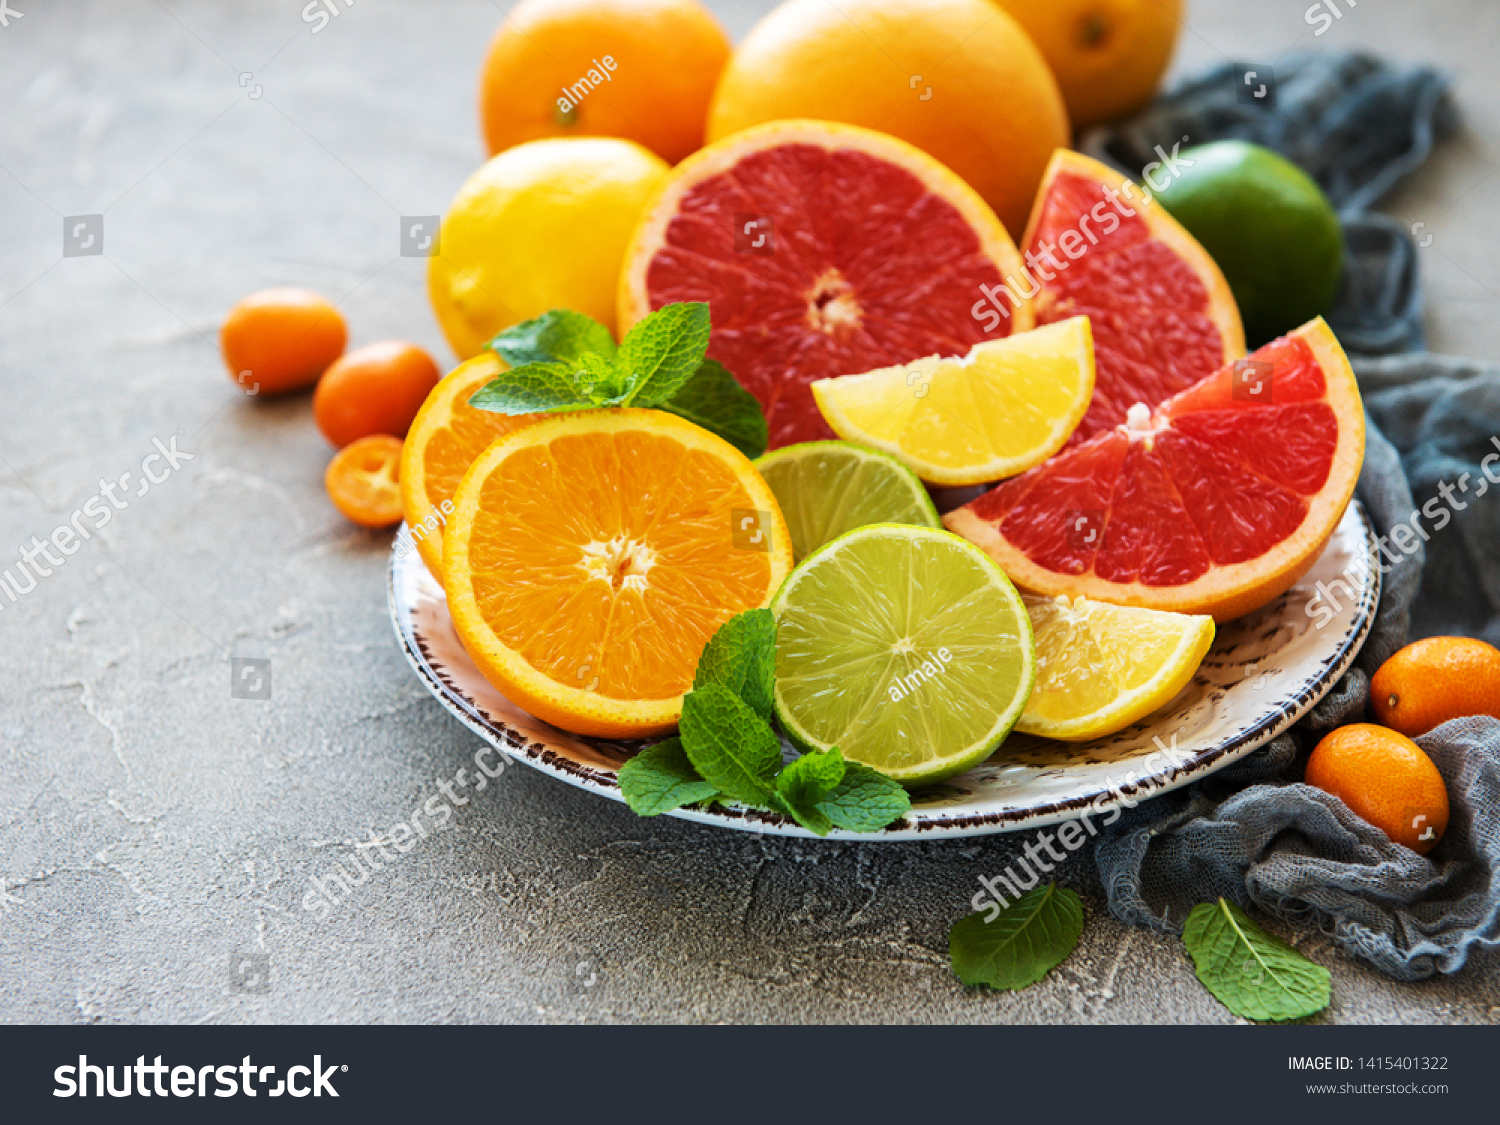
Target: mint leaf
[660, 778]
[741, 656]
[864, 800]
[596, 379]
[662, 352]
[730, 746]
[561, 335]
[530, 389]
[1024, 942]
[1253, 974]
[810, 778]
[713, 398]
[804, 782]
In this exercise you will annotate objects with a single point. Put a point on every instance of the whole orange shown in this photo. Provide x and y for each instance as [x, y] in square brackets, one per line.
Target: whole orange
[1108, 55]
[1433, 680]
[639, 69]
[376, 389]
[1386, 779]
[280, 340]
[957, 78]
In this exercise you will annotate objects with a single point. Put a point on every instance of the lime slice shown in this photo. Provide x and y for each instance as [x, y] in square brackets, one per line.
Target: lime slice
[905, 647]
[826, 488]
[1006, 406]
[1101, 667]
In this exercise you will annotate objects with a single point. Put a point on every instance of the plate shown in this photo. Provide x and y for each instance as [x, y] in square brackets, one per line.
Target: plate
[1263, 673]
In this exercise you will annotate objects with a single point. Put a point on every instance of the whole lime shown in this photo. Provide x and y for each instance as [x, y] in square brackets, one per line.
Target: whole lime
[1268, 226]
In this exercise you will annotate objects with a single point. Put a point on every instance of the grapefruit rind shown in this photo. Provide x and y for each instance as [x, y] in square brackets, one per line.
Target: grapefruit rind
[563, 705]
[1226, 591]
[879, 407]
[722, 155]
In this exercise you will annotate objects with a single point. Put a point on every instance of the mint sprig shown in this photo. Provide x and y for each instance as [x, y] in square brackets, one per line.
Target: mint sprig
[1020, 944]
[564, 360]
[660, 778]
[728, 748]
[1255, 975]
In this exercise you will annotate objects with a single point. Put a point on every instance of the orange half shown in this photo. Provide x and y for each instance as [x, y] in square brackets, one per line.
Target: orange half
[591, 556]
[443, 441]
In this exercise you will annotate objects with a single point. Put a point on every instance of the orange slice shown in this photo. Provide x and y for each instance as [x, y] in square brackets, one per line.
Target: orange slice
[1214, 502]
[1162, 314]
[444, 438]
[590, 557]
[362, 480]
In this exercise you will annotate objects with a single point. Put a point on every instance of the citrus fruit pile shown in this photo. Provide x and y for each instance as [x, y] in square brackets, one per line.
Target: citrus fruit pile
[727, 316]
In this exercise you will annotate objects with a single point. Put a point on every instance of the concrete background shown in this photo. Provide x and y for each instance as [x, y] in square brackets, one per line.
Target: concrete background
[154, 830]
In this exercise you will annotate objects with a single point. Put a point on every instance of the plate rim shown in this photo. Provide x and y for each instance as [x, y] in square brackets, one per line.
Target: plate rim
[913, 826]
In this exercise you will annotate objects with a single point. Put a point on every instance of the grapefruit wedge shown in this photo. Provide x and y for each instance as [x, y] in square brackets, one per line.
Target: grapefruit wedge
[822, 250]
[1214, 502]
[1162, 313]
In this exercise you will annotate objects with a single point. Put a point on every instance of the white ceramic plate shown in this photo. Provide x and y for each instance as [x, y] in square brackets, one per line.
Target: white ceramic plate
[1263, 674]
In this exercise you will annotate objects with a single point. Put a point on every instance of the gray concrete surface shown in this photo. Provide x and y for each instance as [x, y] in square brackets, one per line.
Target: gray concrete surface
[155, 832]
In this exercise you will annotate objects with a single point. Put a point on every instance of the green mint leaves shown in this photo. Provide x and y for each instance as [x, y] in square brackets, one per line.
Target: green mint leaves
[713, 398]
[1022, 943]
[561, 336]
[564, 360]
[728, 748]
[660, 778]
[1253, 974]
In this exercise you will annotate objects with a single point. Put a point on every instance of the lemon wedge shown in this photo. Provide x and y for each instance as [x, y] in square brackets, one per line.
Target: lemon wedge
[1101, 667]
[1006, 406]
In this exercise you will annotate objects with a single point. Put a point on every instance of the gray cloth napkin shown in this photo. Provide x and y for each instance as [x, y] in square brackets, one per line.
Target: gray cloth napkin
[1253, 832]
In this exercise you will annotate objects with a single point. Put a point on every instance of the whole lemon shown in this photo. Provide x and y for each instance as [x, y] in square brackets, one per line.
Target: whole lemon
[1108, 55]
[1268, 226]
[541, 226]
[957, 78]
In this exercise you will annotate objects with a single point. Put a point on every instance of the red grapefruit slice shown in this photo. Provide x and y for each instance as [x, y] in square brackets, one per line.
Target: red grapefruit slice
[822, 250]
[1162, 313]
[1215, 502]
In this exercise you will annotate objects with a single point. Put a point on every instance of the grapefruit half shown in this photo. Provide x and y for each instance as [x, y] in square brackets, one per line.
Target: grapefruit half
[822, 250]
[1162, 314]
[1214, 502]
